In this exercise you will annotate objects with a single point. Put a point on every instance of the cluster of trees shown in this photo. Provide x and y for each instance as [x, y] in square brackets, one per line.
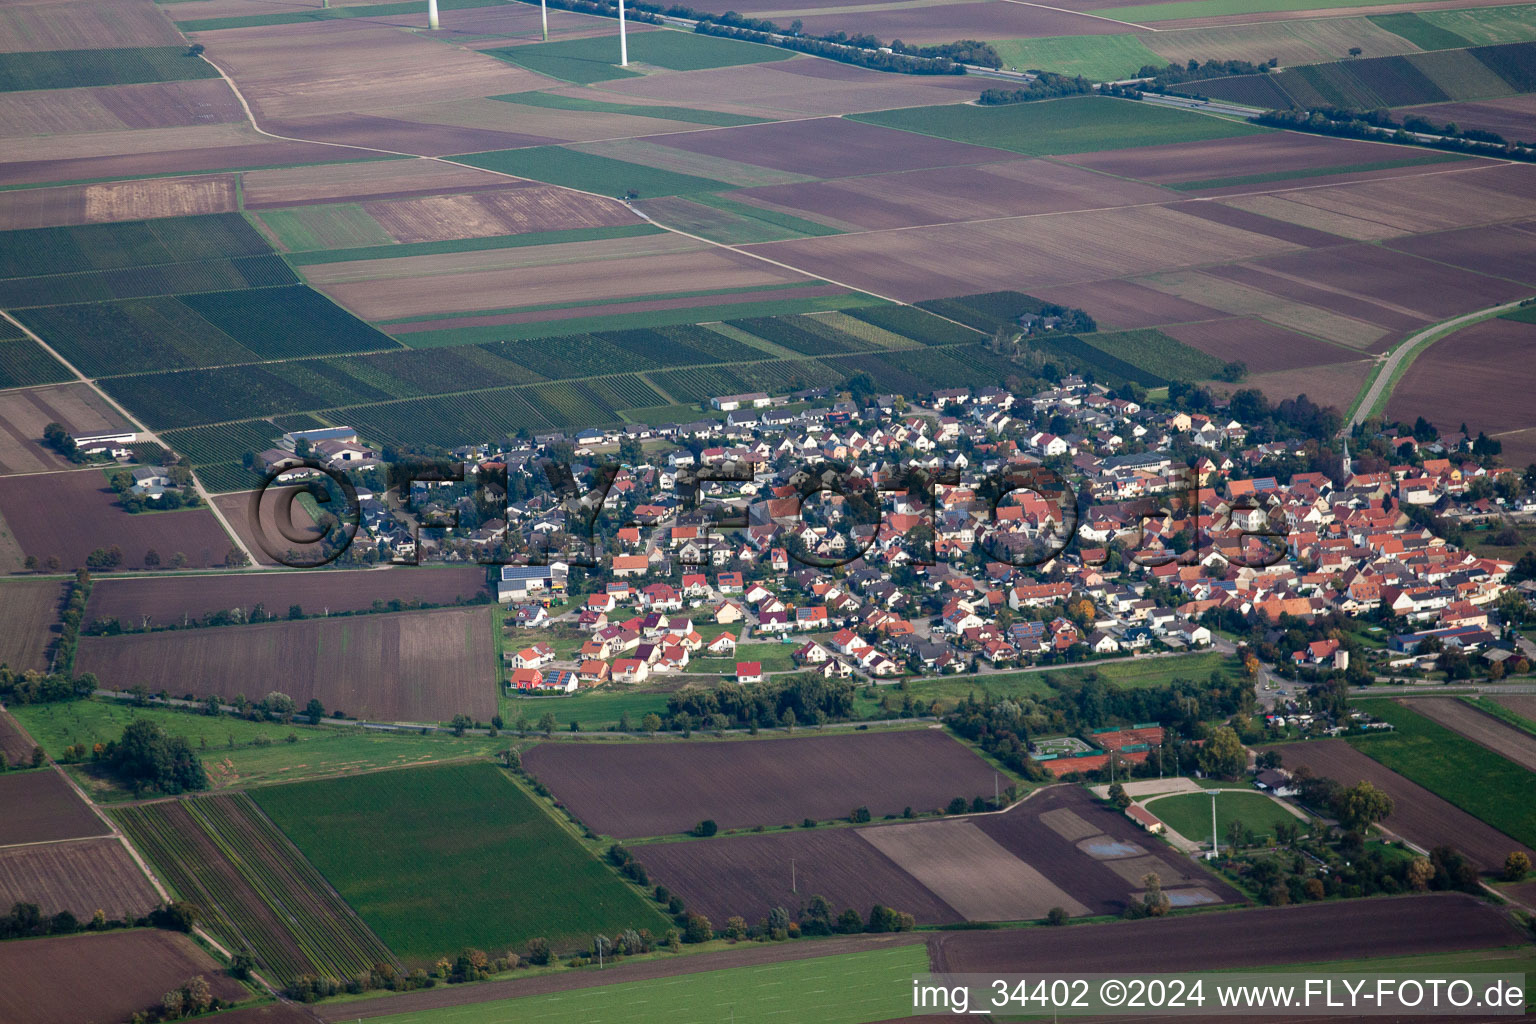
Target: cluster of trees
[57, 438]
[849, 50]
[632, 869]
[1047, 85]
[1356, 807]
[310, 988]
[1377, 124]
[70, 619]
[27, 919]
[146, 758]
[179, 475]
[43, 687]
[802, 698]
[1161, 77]
[194, 998]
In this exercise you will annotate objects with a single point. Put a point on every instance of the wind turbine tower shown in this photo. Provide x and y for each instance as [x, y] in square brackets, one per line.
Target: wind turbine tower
[431, 13]
[623, 42]
[544, 18]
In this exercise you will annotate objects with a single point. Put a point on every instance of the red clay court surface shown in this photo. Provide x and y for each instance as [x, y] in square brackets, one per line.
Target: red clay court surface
[39, 806]
[651, 789]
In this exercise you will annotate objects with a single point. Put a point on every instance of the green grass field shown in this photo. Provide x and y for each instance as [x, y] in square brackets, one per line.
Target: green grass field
[600, 174]
[1100, 58]
[261, 753]
[849, 988]
[1154, 351]
[436, 859]
[775, 657]
[594, 710]
[1189, 814]
[1078, 124]
[66, 69]
[1148, 673]
[1421, 33]
[666, 113]
[330, 226]
[1447, 764]
[584, 61]
[1488, 26]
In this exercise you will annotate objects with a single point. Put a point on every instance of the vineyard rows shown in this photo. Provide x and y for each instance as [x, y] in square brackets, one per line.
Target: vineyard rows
[136, 243]
[207, 445]
[256, 891]
[264, 271]
[801, 334]
[24, 363]
[914, 323]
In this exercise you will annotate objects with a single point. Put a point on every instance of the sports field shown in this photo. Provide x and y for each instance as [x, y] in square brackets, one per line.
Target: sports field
[1078, 124]
[846, 989]
[1452, 767]
[498, 870]
[1189, 814]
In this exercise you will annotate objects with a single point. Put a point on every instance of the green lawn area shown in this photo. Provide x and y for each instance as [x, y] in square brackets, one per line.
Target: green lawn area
[1077, 124]
[436, 859]
[601, 174]
[1488, 26]
[774, 656]
[595, 710]
[689, 114]
[1146, 673]
[849, 988]
[584, 61]
[1447, 764]
[1189, 814]
[1426, 35]
[1099, 58]
[260, 754]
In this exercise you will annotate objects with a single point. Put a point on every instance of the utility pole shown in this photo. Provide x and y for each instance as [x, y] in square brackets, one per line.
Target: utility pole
[1215, 847]
[793, 885]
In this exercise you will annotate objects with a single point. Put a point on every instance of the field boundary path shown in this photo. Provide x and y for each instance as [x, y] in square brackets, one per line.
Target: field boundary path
[1393, 366]
[140, 428]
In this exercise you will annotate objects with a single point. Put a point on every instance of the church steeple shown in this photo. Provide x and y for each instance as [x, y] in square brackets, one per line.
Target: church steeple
[1345, 463]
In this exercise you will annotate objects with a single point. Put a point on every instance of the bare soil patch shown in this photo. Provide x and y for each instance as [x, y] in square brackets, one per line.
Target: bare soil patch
[275, 66]
[1125, 304]
[117, 200]
[1513, 117]
[1317, 932]
[1334, 384]
[339, 183]
[24, 413]
[80, 877]
[1521, 704]
[1483, 375]
[589, 281]
[830, 148]
[102, 977]
[982, 192]
[401, 136]
[72, 514]
[281, 519]
[251, 150]
[1275, 153]
[1507, 250]
[1249, 221]
[1032, 252]
[945, 23]
[1480, 728]
[415, 666]
[30, 611]
[70, 25]
[1417, 814]
[750, 875]
[40, 807]
[484, 214]
[649, 789]
[14, 741]
[173, 600]
[1262, 346]
[968, 870]
[806, 87]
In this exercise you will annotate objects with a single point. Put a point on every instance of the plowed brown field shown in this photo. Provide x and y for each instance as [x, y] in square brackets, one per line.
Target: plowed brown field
[649, 789]
[413, 666]
[1417, 814]
[80, 877]
[29, 609]
[41, 807]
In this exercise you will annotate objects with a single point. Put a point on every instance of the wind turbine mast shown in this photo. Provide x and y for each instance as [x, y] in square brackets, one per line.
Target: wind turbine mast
[544, 18]
[623, 42]
[431, 13]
